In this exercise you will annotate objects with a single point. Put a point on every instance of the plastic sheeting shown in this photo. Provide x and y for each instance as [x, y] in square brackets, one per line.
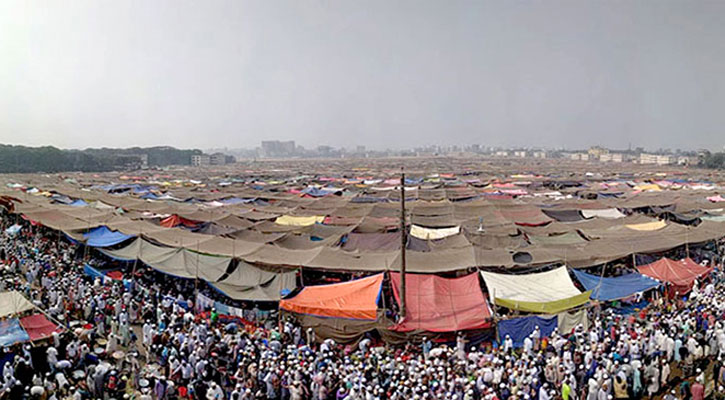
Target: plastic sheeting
[11, 332]
[564, 215]
[613, 288]
[12, 303]
[104, 237]
[648, 226]
[537, 287]
[173, 261]
[520, 328]
[438, 304]
[247, 282]
[607, 213]
[299, 221]
[568, 321]
[433, 233]
[356, 299]
[680, 274]
[549, 307]
[38, 326]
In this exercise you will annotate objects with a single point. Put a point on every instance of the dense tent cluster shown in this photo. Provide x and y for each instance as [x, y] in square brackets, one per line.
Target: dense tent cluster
[309, 267]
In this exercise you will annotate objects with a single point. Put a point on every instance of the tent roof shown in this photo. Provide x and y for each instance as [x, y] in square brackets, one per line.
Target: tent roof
[679, 273]
[38, 326]
[104, 237]
[538, 287]
[12, 303]
[354, 300]
[438, 304]
[613, 288]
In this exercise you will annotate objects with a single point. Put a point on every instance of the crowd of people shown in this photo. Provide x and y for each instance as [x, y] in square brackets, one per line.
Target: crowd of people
[142, 339]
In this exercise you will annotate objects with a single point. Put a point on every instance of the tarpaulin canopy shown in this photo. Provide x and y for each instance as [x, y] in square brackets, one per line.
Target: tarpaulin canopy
[648, 226]
[247, 282]
[607, 213]
[549, 307]
[175, 220]
[544, 292]
[12, 303]
[104, 237]
[617, 287]
[299, 221]
[680, 274]
[433, 233]
[356, 299]
[438, 304]
[537, 287]
[11, 332]
[38, 327]
[564, 215]
[568, 321]
[519, 328]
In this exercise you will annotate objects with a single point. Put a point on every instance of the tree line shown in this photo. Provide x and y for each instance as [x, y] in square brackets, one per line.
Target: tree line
[22, 159]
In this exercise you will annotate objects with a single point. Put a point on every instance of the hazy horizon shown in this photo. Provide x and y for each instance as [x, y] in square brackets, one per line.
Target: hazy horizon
[376, 73]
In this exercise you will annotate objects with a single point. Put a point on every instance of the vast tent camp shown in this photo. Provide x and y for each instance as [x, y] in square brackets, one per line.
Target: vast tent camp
[488, 257]
[541, 242]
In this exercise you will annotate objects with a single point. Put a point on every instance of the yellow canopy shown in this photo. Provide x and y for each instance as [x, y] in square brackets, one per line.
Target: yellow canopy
[299, 221]
[551, 307]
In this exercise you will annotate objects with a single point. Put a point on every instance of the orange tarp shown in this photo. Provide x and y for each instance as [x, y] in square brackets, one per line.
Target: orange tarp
[354, 300]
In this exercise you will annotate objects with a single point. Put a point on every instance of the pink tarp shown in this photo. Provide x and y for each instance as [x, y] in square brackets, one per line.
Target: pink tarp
[679, 274]
[38, 326]
[436, 304]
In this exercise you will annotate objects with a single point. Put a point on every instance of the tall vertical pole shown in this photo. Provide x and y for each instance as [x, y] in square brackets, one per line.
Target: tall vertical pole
[403, 242]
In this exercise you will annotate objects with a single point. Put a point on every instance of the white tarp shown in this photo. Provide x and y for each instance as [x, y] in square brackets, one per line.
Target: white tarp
[606, 213]
[12, 303]
[433, 233]
[539, 287]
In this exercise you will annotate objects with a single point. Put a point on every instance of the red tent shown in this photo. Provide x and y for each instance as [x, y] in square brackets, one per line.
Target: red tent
[38, 326]
[438, 304]
[679, 274]
[175, 220]
[356, 299]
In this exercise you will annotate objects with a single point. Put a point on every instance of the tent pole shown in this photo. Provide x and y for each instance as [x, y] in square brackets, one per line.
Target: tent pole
[196, 275]
[403, 243]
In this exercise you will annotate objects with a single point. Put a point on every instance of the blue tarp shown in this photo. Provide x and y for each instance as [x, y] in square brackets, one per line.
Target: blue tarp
[614, 288]
[317, 192]
[11, 332]
[13, 230]
[520, 328]
[104, 237]
[78, 203]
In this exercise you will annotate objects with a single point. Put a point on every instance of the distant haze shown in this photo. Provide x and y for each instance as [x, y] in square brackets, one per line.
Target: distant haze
[91, 73]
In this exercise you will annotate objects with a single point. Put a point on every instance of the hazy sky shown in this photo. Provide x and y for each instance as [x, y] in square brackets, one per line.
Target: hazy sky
[380, 73]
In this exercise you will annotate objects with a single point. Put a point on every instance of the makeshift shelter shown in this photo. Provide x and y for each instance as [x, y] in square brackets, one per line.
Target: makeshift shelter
[38, 327]
[104, 237]
[356, 299]
[247, 282]
[299, 221]
[438, 304]
[175, 220]
[543, 292]
[519, 328]
[607, 213]
[617, 287]
[12, 303]
[680, 275]
[11, 332]
[424, 233]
